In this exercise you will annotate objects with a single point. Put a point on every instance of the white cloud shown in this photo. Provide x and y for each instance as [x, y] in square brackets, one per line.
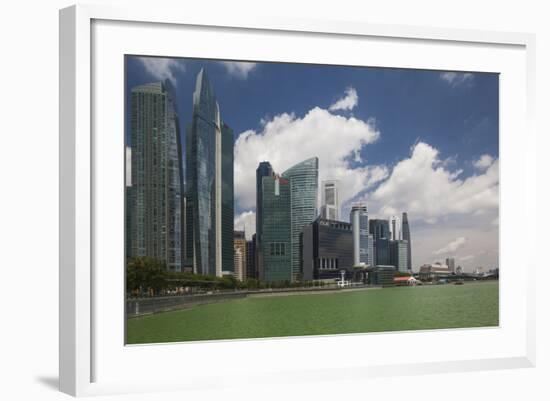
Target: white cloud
[423, 186]
[451, 247]
[246, 221]
[239, 69]
[286, 140]
[483, 162]
[163, 68]
[482, 239]
[457, 78]
[348, 102]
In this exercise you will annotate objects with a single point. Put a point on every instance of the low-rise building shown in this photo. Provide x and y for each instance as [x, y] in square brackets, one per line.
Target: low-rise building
[405, 280]
[432, 272]
[382, 275]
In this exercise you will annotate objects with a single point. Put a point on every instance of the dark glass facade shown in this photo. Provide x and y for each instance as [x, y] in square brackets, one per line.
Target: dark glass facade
[227, 199]
[264, 170]
[155, 200]
[380, 230]
[251, 258]
[326, 248]
[275, 228]
[209, 200]
[381, 275]
[407, 237]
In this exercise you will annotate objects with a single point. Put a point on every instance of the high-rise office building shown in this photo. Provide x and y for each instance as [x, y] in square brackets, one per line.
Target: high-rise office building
[209, 191]
[303, 180]
[239, 246]
[275, 224]
[380, 230]
[407, 237]
[398, 255]
[327, 248]
[228, 209]
[395, 228]
[450, 262]
[330, 202]
[128, 203]
[156, 198]
[238, 262]
[359, 220]
[264, 170]
[251, 258]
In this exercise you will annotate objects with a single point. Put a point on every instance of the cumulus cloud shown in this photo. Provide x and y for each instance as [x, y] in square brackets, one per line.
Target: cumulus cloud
[246, 221]
[426, 188]
[457, 78]
[483, 162]
[348, 102]
[239, 69]
[287, 139]
[163, 68]
[451, 247]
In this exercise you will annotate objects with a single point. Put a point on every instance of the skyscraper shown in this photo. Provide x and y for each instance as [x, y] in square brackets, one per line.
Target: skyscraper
[359, 220]
[395, 228]
[450, 262]
[156, 196]
[380, 230]
[251, 258]
[209, 195]
[264, 170]
[128, 202]
[275, 223]
[398, 255]
[240, 248]
[330, 203]
[407, 237]
[228, 209]
[303, 178]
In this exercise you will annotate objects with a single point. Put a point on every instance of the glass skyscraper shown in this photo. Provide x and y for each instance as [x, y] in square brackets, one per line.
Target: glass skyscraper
[228, 210]
[362, 240]
[380, 231]
[303, 179]
[407, 237]
[264, 170]
[276, 230]
[156, 195]
[398, 255]
[330, 202]
[209, 185]
[395, 228]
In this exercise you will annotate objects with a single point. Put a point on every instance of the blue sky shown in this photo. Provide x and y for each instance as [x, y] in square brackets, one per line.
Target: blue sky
[420, 141]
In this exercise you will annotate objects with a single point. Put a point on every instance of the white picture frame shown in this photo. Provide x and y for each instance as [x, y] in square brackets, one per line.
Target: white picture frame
[83, 338]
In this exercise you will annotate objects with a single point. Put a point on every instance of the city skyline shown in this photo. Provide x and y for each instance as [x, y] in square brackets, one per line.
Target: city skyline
[471, 180]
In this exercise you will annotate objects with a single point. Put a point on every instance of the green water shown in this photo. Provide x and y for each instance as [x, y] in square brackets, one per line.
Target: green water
[388, 309]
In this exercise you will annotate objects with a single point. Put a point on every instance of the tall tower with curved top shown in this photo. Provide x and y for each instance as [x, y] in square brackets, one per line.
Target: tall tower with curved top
[303, 179]
[209, 156]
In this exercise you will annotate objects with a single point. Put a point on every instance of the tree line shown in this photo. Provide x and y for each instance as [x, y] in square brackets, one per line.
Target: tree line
[149, 276]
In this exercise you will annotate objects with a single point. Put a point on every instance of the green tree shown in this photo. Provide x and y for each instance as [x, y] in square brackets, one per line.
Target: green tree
[143, 273]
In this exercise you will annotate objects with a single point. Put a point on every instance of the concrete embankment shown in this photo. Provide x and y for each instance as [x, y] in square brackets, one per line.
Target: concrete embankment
[144, 306]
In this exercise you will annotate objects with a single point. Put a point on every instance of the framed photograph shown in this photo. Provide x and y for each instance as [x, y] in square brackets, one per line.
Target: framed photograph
[238, 193]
